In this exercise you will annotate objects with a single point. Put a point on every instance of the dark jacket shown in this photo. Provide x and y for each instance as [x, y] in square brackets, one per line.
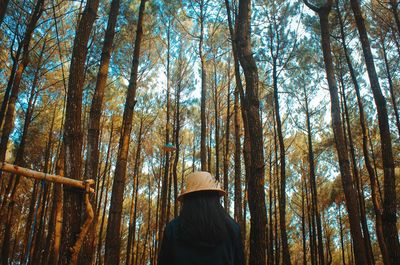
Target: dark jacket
[176, 252]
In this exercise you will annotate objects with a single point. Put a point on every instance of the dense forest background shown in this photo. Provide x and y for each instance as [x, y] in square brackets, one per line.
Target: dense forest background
[291, 105]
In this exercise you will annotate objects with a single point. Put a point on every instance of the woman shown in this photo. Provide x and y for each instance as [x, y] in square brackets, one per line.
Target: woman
[203, 233]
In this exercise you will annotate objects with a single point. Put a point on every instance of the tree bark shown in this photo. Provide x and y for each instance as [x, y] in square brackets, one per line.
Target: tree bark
[391, 86]
[389, 217]
[356, 175]
[164, 188]
[217, 125]
[113, 239]
[227, 140]
[132, 214]
[256, 194]
[313, 184]
[9, 118]
[347, 181]
[203, 129]
[73, 137]
[371, 173]
[282, 158]
[15, 59]
[93, 137]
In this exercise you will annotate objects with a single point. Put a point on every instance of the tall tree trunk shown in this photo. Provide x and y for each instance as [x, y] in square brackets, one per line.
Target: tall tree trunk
[276, 192]
[9, 118]
[303, 223]
[313, 184]
[51, 222]
[15, 59]
[389, 203]
[113, 239]
[346, 127]
[203, 129]
[104, 186]
[341, 235]
[372, 176]
[282, 158]
[311, 229]
[58, 197]
[19, 160]
[132, 214]
[239, 86]
[270, 257]
[238, 210]
[164, 188]
[390, 81]
[227, 138]
[347, 181]
[136, 254]
[256, 194]
[103, 218]
[92, 159]
[217, 125]
[177, 144]
[73, 137]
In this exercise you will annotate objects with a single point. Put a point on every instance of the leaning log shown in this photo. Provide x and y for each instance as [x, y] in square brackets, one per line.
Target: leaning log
[44, 176]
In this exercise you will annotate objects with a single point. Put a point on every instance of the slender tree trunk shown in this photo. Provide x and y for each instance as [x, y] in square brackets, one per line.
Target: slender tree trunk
[19, 160]
[92, 159]
[9, 118]
[227, 138]
[177, 145]
[390, 81]
[113, 239]
[203, 130]
[364, 225]
[341, 236]
[15, 59]
[276, 192]
[217, 125]
[311, 228]
[238, 210]
[303, 224]
[270, 257]
[164, 188]
[282, 156]
[389, 203]
[104, 186]
[73, 137]
[313, 185]
[135, 254]
[103, 218]
[239, 86]
[132, 214]
[51, 222]
[370, 170]
[58, 197]
[256, 194]
[347, 181]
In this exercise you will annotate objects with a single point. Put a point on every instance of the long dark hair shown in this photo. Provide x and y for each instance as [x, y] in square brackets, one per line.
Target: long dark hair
[203, 219]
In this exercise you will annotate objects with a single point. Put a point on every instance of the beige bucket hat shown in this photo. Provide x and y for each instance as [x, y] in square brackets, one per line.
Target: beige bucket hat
[201, 181]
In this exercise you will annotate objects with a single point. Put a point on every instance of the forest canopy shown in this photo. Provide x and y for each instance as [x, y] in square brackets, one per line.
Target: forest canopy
[291, 105]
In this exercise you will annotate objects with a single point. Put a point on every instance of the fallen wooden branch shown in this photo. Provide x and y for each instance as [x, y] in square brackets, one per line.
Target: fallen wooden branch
[81, 184]
[84, 229]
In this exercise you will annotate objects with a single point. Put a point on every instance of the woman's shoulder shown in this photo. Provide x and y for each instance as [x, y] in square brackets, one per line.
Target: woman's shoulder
[171, 226]
[235, 226]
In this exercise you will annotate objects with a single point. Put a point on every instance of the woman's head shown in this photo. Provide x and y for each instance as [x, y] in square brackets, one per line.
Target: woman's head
[201, 181]
[203, 220]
